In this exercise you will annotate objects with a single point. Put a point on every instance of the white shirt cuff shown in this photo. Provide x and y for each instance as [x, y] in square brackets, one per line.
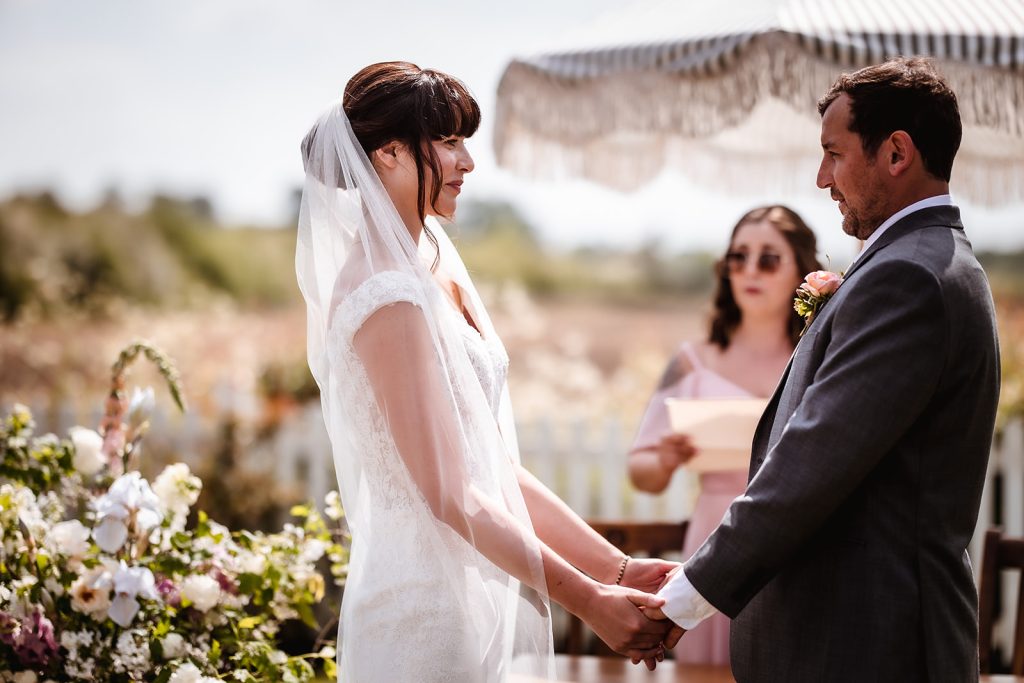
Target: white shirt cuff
[683, 604]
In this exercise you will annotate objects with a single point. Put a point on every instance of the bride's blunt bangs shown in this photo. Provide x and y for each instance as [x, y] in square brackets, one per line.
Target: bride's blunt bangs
[400, 101]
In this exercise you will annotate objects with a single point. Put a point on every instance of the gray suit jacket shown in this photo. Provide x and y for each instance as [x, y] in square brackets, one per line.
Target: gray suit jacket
[845, 560]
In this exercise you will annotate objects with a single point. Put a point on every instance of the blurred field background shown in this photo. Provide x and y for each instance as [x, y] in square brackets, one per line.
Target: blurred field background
[588, 330]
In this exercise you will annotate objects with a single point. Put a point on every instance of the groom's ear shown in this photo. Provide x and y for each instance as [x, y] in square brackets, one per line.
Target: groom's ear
[900, 153]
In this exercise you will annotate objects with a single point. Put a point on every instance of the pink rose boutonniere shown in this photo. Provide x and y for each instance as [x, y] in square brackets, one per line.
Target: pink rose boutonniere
[817, 288]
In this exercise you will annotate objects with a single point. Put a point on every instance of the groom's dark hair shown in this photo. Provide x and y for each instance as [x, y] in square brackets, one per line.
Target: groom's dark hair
[905, 94]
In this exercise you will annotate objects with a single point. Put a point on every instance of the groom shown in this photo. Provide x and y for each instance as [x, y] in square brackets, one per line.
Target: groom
[845, 558]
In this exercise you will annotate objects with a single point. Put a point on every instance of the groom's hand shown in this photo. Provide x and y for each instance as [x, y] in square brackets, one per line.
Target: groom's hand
[675, 632]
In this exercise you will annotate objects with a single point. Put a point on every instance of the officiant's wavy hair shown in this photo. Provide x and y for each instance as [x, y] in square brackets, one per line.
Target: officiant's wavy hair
[905, 94]
[725, 317]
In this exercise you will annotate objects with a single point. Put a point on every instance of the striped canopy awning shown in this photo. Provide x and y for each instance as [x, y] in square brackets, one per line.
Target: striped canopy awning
[726, 92]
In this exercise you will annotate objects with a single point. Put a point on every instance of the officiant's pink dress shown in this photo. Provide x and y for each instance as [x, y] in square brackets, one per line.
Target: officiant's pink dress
[709, 642]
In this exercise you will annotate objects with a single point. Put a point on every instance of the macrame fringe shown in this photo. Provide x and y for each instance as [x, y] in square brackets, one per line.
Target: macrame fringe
[623, 129]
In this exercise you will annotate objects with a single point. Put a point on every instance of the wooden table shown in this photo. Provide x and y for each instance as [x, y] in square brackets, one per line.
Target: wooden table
[586, 669]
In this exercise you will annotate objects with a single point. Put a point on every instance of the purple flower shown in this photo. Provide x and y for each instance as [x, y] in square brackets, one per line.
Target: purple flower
[35, 644]
[226, 583]
[169, 592]
[10, 628]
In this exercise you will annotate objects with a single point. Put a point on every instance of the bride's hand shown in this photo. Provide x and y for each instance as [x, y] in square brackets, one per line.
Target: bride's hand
[616, 616]
[647, 575]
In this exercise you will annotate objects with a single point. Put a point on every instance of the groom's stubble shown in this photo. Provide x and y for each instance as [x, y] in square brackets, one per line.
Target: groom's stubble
[863, 220]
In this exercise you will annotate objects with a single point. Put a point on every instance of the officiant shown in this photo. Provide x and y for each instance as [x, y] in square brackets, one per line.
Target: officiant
[752, 333]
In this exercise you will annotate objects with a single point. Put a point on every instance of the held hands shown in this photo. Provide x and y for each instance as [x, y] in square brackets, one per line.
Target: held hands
[674, 450]
[618, 616]
[651, 575]
[675, 632]
[636, 626]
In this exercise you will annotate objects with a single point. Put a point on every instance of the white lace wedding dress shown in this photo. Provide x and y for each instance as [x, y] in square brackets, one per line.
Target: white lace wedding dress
[406, 617]
[421, 429]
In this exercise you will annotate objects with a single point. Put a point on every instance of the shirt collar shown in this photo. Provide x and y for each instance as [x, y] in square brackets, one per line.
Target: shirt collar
[937, 200]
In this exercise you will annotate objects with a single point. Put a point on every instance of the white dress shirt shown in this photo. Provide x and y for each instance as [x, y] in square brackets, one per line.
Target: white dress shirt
[683, 604]
[937, 200]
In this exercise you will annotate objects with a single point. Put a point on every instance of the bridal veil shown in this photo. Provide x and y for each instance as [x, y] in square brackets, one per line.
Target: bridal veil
[425, 458]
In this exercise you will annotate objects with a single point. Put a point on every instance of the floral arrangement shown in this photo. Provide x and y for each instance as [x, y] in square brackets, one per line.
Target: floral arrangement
[813, 293]
[102, 578]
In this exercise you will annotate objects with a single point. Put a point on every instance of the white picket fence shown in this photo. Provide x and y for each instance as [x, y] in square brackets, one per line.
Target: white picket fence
[583, 462]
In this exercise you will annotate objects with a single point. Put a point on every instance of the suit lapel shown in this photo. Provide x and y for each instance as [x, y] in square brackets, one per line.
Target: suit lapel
[759, 447]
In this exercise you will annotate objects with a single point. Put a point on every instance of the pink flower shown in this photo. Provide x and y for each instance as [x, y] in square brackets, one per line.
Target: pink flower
[168, 592]
[821, 283]
[32, 638]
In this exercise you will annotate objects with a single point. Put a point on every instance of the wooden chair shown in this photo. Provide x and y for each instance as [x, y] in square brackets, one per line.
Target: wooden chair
[999, 553]
[643, 539]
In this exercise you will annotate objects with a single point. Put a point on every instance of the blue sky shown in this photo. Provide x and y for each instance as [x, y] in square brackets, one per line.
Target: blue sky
[200, 97]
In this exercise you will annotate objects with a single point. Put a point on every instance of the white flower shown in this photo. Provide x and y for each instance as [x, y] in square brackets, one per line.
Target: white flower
[90, 593]
[328, 652]
[313, 550]
[333, 509]
[132, 654]
[202, 591]
[25, 677]
[88, 458]
[140, 407]
[129, 584]
[69, 538]
[177, 488]
[110, 534]
[173, 645]
[73, 640]
[27, 507]
[252, 563]
[130, 499]
[54, 586]
[186, 673]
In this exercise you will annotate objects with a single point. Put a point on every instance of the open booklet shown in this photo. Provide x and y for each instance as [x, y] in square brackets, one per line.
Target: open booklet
[721, 430]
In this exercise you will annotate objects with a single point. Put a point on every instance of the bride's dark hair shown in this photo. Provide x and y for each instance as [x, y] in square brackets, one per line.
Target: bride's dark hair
[400, 101]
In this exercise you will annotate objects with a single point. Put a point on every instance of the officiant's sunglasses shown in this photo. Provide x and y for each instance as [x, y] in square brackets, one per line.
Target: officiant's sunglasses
[736, 262]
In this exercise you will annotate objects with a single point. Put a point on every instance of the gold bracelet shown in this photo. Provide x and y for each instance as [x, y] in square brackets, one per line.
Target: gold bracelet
[622, 569]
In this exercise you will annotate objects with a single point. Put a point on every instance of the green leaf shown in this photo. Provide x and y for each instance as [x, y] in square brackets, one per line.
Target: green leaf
[249, 622]
[306, 613]
[249, 583]
[214, 655]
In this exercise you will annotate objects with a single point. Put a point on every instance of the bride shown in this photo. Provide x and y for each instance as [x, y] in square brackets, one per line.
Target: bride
[456, 548]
